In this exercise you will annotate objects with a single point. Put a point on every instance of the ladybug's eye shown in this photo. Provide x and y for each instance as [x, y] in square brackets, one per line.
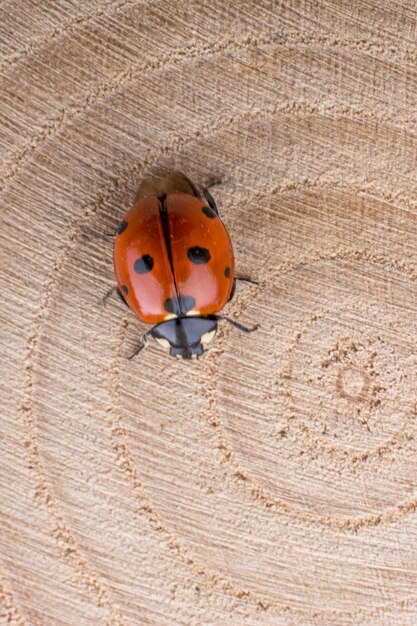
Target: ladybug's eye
[198, 255]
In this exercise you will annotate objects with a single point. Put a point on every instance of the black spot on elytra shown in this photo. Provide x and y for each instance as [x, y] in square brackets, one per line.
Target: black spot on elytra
[125, 290]
[144, 264]
[198, 255]
[209, 212]
[171, 305]
[187, 303]
[122, 227]
[227, 272]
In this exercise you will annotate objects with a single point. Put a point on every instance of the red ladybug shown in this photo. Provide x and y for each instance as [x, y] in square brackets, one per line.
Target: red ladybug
[174, 264]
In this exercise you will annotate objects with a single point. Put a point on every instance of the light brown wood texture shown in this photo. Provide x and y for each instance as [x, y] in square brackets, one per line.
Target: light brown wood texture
[274, 481]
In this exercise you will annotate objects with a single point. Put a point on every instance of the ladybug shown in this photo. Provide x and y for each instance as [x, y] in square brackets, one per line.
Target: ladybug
[174, 264]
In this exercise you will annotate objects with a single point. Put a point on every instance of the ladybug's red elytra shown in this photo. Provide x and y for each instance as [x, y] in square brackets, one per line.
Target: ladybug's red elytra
[174, 264]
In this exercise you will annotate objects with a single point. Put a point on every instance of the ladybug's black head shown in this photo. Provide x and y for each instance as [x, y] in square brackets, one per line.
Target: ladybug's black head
[186, 337]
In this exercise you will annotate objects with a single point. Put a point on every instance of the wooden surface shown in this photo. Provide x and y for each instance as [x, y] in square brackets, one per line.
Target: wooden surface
[274, 481]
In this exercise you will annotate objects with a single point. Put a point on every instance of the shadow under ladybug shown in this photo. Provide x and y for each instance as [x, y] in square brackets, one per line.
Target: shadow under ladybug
[174, 265]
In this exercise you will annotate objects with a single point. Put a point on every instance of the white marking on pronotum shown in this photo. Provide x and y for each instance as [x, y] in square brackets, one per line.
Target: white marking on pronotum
[207, 337]
[163, 342]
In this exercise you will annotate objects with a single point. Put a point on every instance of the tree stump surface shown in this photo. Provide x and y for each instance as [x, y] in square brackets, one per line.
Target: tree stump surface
[273, 482]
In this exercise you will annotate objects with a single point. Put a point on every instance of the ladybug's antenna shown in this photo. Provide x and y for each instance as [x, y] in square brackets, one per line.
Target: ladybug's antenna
[142, 345]
[237, 325]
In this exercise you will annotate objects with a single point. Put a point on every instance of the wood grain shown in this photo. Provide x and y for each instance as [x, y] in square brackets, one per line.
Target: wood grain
[274, 481]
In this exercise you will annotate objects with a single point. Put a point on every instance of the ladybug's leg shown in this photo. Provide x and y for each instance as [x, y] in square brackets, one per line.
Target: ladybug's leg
[142, 345]
[121, 296]
[110, 292]
[237, 325]
[232, 293]
[210, 200]
[244, 279]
